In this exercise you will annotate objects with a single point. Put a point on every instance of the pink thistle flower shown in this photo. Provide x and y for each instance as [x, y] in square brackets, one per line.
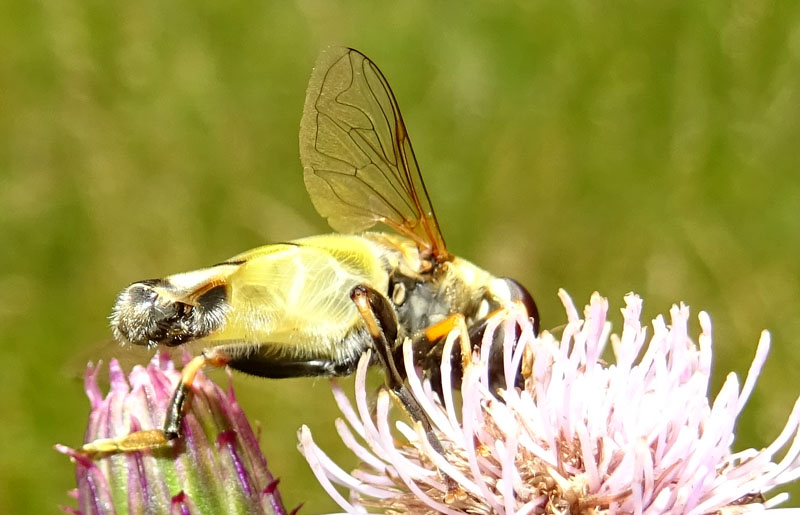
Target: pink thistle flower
[638, 436]
[217, 467]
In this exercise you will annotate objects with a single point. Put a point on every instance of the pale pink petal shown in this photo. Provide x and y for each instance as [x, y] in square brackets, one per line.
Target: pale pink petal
[638, 435]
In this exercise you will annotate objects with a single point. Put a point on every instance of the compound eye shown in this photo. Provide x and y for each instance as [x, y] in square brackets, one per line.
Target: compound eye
[519, 294]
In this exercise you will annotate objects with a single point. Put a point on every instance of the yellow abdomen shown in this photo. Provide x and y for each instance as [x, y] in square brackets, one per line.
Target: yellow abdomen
[297, 295]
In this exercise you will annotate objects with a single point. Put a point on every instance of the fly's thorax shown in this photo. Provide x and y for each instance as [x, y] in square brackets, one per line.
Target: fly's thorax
[471, 287]
[450, 287]
[400, 254]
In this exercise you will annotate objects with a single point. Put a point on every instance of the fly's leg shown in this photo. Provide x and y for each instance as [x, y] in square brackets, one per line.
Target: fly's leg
[438, 333]
[471, 338]
[154, 438]
[381, 322]
[429, 349]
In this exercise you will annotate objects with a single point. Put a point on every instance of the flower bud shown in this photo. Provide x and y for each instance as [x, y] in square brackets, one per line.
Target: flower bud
[216, 466]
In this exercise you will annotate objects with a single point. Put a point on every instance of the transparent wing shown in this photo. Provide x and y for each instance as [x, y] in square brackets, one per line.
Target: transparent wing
[359, 167]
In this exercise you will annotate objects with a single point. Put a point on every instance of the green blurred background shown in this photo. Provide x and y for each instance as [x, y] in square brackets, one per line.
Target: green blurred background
[645, 146]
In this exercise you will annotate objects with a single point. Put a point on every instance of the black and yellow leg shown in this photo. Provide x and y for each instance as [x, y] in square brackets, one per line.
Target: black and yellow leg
[154, 438]
[381, 322]
[439, 332]
[429, 348]
[469, 337]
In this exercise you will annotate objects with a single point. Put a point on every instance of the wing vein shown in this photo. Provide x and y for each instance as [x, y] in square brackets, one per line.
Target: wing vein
[359, 165]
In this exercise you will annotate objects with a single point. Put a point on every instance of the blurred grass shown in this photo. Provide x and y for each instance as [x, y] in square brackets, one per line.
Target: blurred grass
[646, 146]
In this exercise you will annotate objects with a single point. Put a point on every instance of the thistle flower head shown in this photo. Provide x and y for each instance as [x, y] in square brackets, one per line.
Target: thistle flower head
[216, 467]
[638, 435]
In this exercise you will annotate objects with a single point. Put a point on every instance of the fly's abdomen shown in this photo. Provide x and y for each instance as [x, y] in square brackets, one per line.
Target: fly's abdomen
[297, 295]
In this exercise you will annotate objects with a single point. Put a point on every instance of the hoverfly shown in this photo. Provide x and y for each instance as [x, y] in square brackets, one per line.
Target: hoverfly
[314, 306]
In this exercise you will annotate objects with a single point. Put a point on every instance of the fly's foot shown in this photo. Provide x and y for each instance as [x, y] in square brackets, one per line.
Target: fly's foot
[137, 441]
